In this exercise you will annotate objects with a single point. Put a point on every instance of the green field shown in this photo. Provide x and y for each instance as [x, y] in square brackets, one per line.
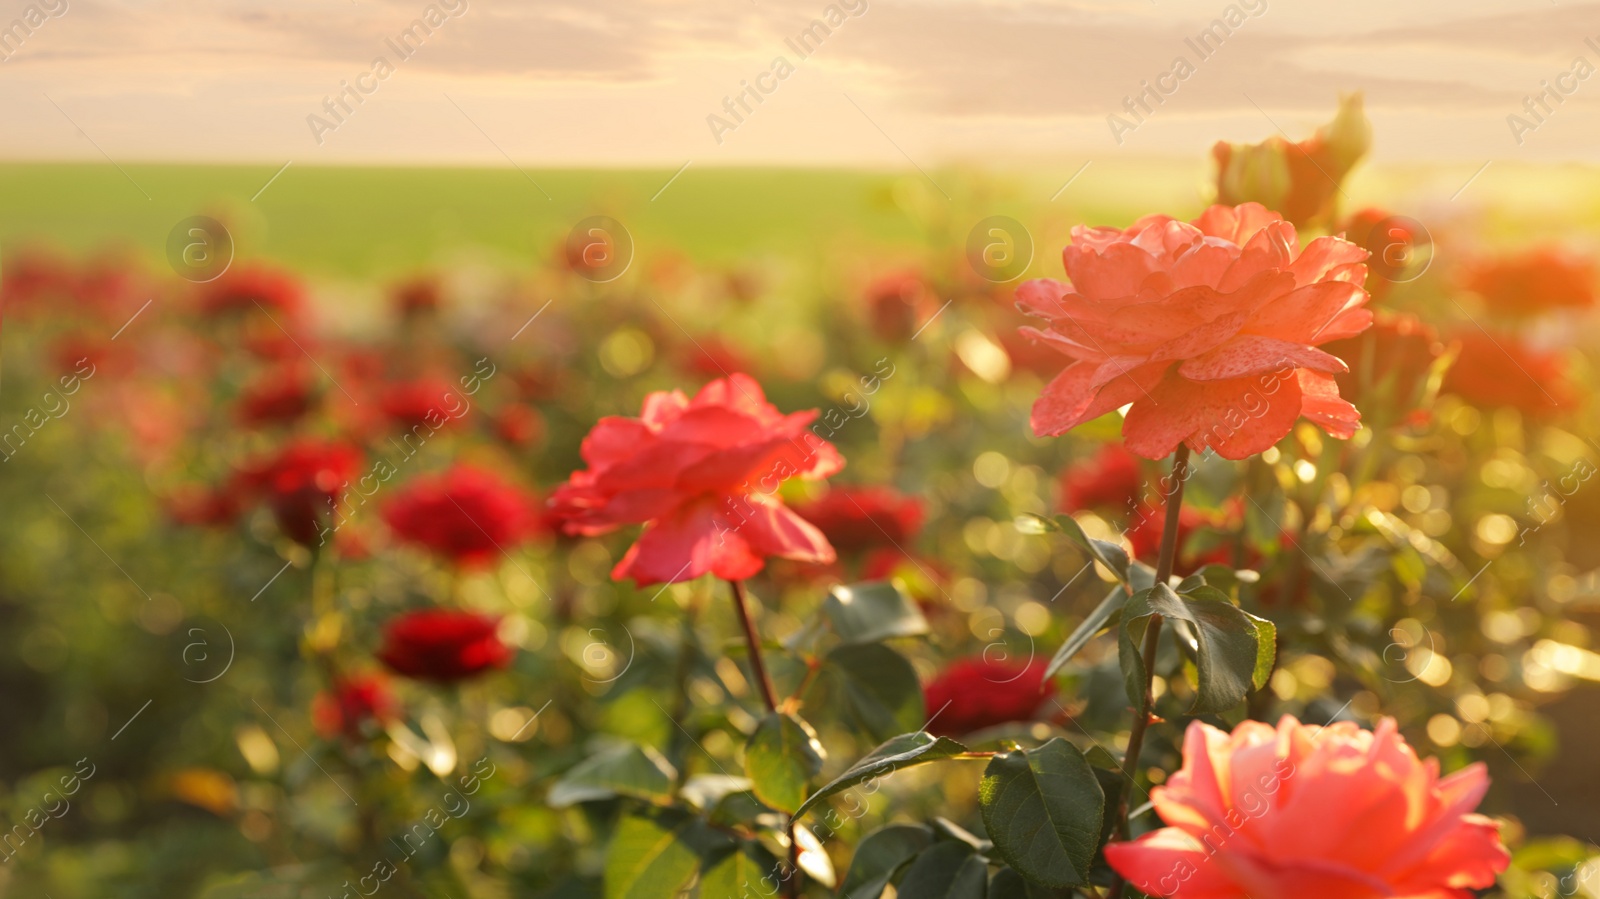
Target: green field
[362, 222]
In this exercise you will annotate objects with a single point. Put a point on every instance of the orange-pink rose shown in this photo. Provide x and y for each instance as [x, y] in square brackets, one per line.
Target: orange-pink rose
[1314, 813]
[1208, 329]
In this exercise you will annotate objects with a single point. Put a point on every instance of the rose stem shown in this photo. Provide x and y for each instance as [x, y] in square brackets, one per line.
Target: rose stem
[758, 670]
[1152, 638]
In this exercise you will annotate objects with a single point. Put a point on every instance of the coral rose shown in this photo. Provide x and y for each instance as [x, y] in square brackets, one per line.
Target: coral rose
[973, 694]
[702, 476]
[1315, 813]
[1209, 329]
[443, 645]
[466, 515]
[1499, 370]
[1535, 281]
[861, 518]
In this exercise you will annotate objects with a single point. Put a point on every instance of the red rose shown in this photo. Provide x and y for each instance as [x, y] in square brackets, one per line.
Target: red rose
[280, 396]
[702, 476]
[1535, 281]
[518, 425]
[861, 518]
[443, 645]
[466, 516]
[1206, 328]
[302, 484]
[346, 709]
[1110, 480]
[247, 288]
[1498, 370]
[710, 356]
[973, 694]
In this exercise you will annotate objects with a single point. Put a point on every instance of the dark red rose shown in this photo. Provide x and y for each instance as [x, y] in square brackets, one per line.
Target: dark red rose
[32, 276]
[282, 395]
[466, 516]
[898, 304]
[976, 693]
[427, 402]
[861, 518]
[1499, 370]
[350, 705]
[1111, 479]
[1534, 281]
[1389, 364]
[417, 297]
[443, 645]
[302, 484]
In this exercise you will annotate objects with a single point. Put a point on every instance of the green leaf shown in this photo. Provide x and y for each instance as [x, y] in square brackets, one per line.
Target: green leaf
[782, 755]
[1043, 810]
[648, 859]
[623, 770]
[903, 751]
[946, 871]
[1006, 883]
[873, 611]
[881, 687]
[1266, 650]
[738, 873]
[1103, 616]
[1109, 554]
[1228, 649]
[880, 856]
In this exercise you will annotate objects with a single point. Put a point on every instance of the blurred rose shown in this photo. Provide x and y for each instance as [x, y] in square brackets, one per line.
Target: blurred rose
[350, 705]
[443, 645]
[1499, 370]
[302, 484]
[976, 693]
[1298, 180]
[1534, 281]
[519, 425]
[1393, 359]
[702, 476]
[1110, 480]
[861, 518]
[418, 296]
[281, 395]
[466, 516]
[1206, 328]
[425, 402]
[247, 288]
[898, 304]
[1309, 811]
[198, 506]
[710, 356]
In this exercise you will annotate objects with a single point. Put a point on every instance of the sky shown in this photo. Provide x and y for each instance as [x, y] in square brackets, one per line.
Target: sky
[652, 82]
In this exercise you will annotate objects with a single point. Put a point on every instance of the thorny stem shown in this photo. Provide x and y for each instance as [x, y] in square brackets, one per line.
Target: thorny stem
[758, 670]
[1152, 639]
